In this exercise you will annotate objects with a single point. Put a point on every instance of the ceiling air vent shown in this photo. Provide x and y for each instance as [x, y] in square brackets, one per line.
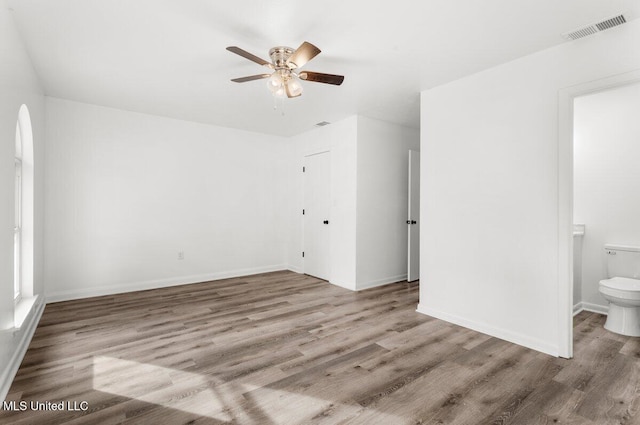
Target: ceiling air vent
[594, 28]
[322, 124]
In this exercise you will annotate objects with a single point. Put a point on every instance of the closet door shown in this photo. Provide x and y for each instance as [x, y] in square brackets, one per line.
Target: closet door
[317, 224]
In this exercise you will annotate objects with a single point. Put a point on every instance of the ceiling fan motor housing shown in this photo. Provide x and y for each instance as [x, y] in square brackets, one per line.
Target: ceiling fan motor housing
[279, 56]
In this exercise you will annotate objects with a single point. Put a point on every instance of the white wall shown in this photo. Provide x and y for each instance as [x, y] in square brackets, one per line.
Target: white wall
[606, 179]
[382, 200]
[489, 188]
[341, 139]
[125, 192]
[369, 163]
[18, 85]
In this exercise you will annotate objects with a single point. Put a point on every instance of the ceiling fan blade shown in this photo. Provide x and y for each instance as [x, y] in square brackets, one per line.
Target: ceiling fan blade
[319, 77]
[302, 55]
[250, 78]
[247, 55]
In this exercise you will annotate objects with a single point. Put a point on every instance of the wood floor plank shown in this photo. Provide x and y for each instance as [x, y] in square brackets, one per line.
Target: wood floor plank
[591, 357]
[615, 393]
[285, 348]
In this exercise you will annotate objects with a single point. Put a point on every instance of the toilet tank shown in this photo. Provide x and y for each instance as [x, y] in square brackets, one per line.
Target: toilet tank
[623, 261]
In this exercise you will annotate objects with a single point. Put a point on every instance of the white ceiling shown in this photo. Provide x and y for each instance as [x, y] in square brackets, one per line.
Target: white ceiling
[168, 57]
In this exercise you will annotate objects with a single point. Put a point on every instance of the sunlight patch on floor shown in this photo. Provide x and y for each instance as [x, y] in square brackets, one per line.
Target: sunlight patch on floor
[174, 389]
[209, 397]
[281, 406]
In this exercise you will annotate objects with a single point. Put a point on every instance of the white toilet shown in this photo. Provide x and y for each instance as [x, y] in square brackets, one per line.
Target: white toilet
[622, 289]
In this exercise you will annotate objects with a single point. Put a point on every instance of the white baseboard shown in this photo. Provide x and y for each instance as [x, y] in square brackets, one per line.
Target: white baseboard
[294, 269]
[594, 308]
[345, 285]
[75, 294]
[359, 286]
[25, 333]
[507, 335]
[381, 282]
[577, 308]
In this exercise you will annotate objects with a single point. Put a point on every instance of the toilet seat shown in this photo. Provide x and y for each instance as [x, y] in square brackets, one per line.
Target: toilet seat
[621, 287]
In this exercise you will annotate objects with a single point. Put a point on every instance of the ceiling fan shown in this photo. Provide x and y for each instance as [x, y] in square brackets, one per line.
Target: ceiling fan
[286, 63]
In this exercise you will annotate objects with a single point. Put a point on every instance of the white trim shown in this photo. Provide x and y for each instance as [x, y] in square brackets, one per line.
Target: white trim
[381, 282]
[314, 151]
[23, 309]
[595, 308]
[627, 248]
[26, 334]
[577, 308]
[294, 269]
[155, 284]
[514, 337]
[344, 285]
[565, 224]
[565, 198]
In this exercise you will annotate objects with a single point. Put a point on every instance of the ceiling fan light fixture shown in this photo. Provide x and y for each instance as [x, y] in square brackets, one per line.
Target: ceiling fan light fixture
[280, 92]
[294, 86]
[274, 83]
[284, 82]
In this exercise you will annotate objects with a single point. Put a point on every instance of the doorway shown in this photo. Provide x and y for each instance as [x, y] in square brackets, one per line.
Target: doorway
[605, 184]
[316, 220]
[413, 218]
[565, 197]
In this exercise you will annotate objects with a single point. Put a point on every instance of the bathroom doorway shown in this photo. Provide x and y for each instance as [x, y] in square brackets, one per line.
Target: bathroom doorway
[573, 100]
[606, 181]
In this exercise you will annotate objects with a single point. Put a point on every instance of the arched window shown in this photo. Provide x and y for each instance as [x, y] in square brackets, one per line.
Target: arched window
[17, 221]
[24, 208]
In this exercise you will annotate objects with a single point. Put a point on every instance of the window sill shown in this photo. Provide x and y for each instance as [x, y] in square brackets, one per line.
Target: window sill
[22, 310]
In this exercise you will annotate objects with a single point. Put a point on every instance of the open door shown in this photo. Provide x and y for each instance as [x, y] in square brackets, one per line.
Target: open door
[413, 224]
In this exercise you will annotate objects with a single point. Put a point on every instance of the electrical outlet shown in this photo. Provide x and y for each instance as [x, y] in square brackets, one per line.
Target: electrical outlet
[180, 255]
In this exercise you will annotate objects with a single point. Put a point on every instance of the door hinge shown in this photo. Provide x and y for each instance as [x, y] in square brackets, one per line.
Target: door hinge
[303, 169]
[303, 212]
[303, 253]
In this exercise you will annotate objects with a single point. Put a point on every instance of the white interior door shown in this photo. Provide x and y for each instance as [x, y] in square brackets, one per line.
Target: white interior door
[317, 202]
[413, 223]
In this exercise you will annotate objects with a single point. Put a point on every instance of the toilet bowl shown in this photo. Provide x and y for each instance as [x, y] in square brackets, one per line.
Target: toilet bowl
[622, 289]
[623, 295]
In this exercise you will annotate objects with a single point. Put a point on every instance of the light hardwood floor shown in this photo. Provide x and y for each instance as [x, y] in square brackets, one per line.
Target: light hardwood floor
[284, 348]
